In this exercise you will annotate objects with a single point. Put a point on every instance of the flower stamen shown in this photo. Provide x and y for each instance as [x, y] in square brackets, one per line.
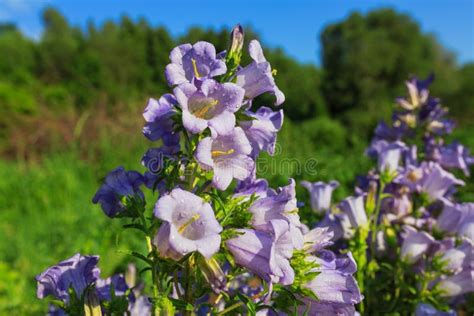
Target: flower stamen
[217, 153]
[189, 222]
[196, 72]
[205, 109]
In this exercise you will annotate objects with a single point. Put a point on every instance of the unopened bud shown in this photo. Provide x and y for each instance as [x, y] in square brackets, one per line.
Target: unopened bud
[131, 275]
[237, 39]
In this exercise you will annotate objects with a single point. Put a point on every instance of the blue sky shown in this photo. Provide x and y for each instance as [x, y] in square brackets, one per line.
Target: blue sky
[293, 25]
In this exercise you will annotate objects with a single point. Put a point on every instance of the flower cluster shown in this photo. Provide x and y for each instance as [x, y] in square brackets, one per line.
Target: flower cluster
[404, 224]
[219, 240]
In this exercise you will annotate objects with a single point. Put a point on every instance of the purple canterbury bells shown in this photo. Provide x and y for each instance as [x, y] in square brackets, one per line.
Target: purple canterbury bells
[227, 155]
[189, 62]
[257, 77]
[262, 130]
[320, 194]
[77, 272]
[209, 104]
[458, 219]
[118, 185]
[159, 124]
[418, 91]
[335, 287]
[430, 179]
[188, 225]
[353, 207]
[415, 244]
[266, 254]
[281, 205]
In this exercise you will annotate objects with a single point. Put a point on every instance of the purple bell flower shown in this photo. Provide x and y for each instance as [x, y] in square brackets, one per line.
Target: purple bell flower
[317, 239]
[188, 225]
[266, 254]
[212, 104]
[457, 217]
[456, 156]
[335, 283]
[459, 258]
[353, 207]
[262, 130]
[159, 124]
[118, 184]
[282, 206]
[320, 194]
[257, 77]
[227, 155]
[77, 272]
[431, 179]
[189, 62]
[415, 244]
[458, 284]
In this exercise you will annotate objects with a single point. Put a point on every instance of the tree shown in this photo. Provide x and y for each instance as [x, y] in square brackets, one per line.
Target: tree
[366, 58]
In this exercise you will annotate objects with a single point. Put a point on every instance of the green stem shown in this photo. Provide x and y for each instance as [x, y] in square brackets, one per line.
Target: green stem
[230, 308]
[375, 227]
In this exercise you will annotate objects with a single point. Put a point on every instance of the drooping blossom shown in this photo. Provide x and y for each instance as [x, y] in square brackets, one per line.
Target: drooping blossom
[415, 244]
[159, 124]
[118, 184]
[211, 104]
[257, 77]
[317, 239]
[460, 258]
[264, 253]
[353, 207]
[454, 155]
[188, 225]
[141, 307]
[77, 272]
[227, 155]
[189, 62]
[281, 205]
[389, 156]
[262, 130]
[320, 194]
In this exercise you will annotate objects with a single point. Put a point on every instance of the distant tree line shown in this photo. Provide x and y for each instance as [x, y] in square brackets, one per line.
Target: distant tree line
[365, 60]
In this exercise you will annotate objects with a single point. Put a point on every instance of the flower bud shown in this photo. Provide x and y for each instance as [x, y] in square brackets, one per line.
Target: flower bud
[91, 304]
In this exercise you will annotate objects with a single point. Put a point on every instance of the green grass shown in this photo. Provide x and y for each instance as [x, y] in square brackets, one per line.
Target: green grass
[47, 215]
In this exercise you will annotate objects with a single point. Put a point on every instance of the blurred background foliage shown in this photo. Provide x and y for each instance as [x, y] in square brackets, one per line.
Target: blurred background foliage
[70, 111]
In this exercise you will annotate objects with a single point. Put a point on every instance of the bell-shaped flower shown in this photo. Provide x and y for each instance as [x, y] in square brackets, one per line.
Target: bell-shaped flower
[281, 205]
[457, 284]
[415, 244]
[317, 239]
[312, 307]
[461, 257]
[335, 283]
[354, 208]
[189, 62]
[77, 272]
[257, 77]
[188, 225]
[227, 156]
[431, 179]
[118, 184]
[266, 254]
[320, 194]
[454, 216]
[262, 130]
[209, 104]
[159, 124]
[456, 156]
